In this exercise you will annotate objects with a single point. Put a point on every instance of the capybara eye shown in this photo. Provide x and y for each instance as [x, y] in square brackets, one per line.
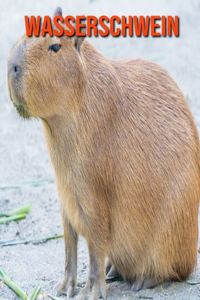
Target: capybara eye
[55, 48]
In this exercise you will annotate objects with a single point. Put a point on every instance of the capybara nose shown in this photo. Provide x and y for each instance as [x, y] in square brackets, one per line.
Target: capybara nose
[16, 70]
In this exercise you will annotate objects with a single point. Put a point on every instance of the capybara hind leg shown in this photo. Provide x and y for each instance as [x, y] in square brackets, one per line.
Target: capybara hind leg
[144, 284]
[95, 286]
[108, 265]
[150, 283]
[112, 273]
[68, 284]
[137, 285]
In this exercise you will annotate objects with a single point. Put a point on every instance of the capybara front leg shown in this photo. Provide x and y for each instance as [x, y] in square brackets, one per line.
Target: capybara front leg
[95, 286]
[68, 284]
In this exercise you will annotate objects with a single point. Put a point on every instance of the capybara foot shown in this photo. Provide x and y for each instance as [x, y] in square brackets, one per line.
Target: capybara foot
[98, 290]
[112, 273]
[150, 283]
[144, 284]
[108, 265]
[67, 287]
[137, 285]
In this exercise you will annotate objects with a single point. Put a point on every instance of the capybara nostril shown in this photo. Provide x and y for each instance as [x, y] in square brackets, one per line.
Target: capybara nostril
[16, 70]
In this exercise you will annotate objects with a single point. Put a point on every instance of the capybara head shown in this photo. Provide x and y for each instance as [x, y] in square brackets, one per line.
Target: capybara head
[41, 70]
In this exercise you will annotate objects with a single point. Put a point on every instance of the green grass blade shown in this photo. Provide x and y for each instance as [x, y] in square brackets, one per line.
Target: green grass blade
[43, 240]
[5, 214]
[14, 242]
[54, 298]
[34, 241]
[2, 273]
[22, 210]
[12, 218]
[12, 285]
[193, 282]
[35, 293]
[18, 211]
[27, 183]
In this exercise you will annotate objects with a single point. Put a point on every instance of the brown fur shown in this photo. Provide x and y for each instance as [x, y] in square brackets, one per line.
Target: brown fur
[125, 150]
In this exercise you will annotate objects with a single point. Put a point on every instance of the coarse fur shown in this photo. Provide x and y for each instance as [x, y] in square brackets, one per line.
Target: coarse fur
[125, 150]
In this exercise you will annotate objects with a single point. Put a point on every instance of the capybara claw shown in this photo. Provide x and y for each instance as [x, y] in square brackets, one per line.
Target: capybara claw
[67, 289]
[144, 284]
[112, 273]
[97, 291]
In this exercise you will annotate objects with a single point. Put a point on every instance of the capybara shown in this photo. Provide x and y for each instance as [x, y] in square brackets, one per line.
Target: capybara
[125, 150]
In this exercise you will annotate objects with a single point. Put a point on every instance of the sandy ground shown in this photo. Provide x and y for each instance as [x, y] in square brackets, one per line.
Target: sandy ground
[23, 155]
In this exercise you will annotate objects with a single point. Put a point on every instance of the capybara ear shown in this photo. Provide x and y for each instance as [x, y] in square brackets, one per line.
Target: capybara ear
[57, 12]
[79, 39]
